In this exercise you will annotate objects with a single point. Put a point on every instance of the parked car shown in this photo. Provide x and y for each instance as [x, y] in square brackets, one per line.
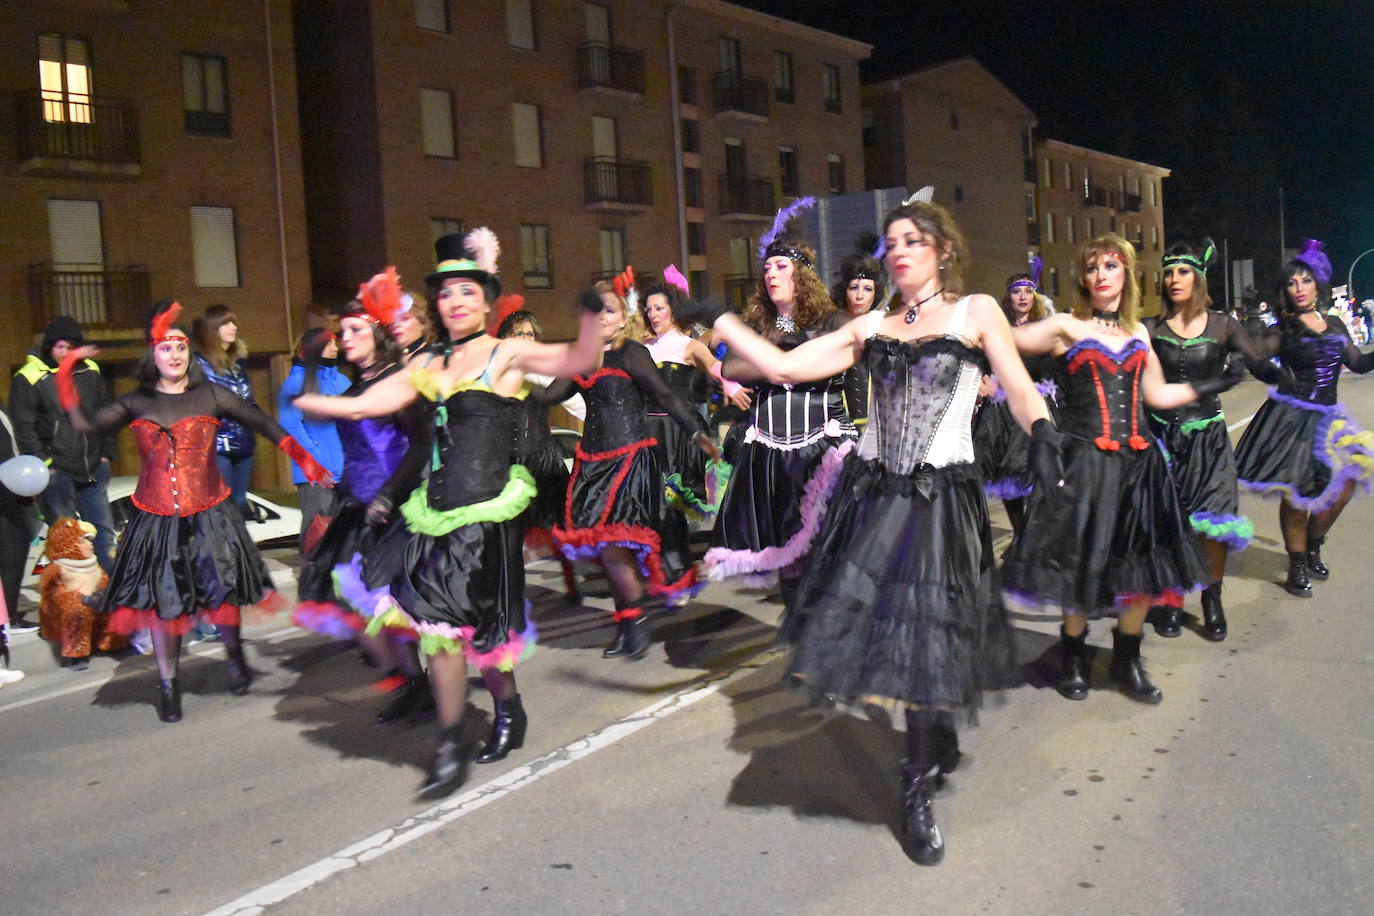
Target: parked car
[269, 524]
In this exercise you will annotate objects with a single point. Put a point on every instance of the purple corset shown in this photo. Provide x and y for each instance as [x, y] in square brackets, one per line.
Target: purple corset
[372, 449]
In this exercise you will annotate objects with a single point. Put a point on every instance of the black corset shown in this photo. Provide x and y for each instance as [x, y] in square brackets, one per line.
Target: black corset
[475, 443]
[1100, 398]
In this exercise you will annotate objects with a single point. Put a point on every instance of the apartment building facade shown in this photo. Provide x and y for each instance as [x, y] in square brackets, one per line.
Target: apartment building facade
[588, 136]
[1081, 193]
[149, 150]
[954, 125]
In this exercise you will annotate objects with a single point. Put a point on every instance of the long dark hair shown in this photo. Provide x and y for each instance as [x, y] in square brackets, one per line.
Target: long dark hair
[146, 371]
[1291, 270]
[310, 351]
[1202, 299]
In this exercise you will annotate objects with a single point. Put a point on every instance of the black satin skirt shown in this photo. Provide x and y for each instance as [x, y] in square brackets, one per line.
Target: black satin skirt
[1204, 470]
[180, 565]
[549, 469]
[1002, 451]
[1114, 533]
[617, 500]
[679, 455]
[898, 603]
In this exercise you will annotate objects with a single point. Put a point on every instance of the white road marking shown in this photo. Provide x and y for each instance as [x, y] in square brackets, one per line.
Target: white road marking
[449, 810]
[1239, 423]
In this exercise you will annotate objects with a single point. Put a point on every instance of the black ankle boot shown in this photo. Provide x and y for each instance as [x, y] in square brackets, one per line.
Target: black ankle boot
[240, 675]
[1073, 666]
[449, 770]
[617, 647]
[169, 701]
[1316, 569]
[1298, 584]
[507, 731]
[631, 636]
[1166, 620]
[1213, 614]
[410, 699]
[1127, 671]
[921, 839]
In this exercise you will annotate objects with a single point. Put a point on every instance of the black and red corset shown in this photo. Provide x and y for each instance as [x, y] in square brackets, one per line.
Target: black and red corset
[1102, 399]
[179, 475]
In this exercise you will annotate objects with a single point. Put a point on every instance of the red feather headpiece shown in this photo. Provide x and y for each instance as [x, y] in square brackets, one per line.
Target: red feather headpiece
[380, 298]
[161, 327]
[505, 307]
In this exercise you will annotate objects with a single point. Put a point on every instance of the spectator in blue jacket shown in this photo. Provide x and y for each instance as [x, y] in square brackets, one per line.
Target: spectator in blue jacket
[314, 370]
[222, 355]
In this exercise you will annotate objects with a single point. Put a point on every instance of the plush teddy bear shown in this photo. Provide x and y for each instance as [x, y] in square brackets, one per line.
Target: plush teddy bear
[68, 592]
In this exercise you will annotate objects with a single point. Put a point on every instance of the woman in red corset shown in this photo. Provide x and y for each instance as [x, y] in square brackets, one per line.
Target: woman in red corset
[616, 510]
[185, 552]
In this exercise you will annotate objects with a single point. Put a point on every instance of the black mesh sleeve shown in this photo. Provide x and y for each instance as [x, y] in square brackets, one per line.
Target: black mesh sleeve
[640, 365]
[1256, 357]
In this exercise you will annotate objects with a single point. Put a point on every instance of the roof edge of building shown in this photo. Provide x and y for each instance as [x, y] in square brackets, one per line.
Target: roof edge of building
[851, 46]
[1162, 171]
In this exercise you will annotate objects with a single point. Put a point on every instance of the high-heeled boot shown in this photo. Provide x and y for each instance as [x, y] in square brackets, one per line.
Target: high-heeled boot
[240, 675]
[1074, 665]
[507, 730]
[631, 635]
[169, 700]
[410, 699]
[1315, 567]
[1213, 614]
[1167, 621]
[1128, 672]
[1298, 585]
[449, 769]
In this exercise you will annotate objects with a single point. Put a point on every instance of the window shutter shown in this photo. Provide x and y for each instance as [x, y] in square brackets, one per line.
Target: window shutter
[214, 248]
[436, 114]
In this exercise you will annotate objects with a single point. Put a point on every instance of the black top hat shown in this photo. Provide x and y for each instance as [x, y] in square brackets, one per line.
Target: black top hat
[472, 256]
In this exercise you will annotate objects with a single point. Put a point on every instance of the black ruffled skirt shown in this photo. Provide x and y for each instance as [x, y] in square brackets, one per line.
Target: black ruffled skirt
[898, 603]
[683, 463]
[1204, 471]
[331, 597]
[549, 469]
[1002, 450]
[1114, 533]
[1304, 452]
[169, 568]
[616, 499]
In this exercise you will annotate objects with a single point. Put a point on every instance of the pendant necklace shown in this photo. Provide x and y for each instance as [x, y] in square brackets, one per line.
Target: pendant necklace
[913, 311]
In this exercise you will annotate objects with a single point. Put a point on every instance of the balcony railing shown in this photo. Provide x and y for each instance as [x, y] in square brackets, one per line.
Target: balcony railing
[734, 93]
[63, 134]
[615, 184]
[1094, 196]
[738, 289]
[96, 298]
[746, 198]
[604, 66]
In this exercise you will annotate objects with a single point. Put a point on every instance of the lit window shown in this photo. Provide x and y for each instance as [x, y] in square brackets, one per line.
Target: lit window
[520, 24]
[529, 152]
[214, 248]
[432, 15]
[436, 119]
[534, 256]
[205, 94]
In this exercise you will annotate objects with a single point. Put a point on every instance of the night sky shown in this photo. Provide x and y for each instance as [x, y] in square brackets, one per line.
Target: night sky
[1238, 97]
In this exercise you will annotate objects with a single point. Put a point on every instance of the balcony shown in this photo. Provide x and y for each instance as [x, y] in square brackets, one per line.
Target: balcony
[1094, 196]
[616, 186]
[97, 299]
[610, 69]
[77, 137]
[746, 199]
[739, 96]
[738, 289]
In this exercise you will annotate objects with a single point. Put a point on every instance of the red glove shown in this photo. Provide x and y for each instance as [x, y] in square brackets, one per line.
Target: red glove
[314, 471]
[66, 388]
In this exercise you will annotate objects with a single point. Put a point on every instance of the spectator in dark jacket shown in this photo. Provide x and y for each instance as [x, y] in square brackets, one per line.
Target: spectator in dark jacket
[215, 336]
[80, 464]
[314, 369]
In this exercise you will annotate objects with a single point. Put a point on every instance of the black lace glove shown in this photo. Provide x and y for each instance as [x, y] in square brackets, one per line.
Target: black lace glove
[701, 311]
[379, 510]
[1046, 455]
[1225, 381]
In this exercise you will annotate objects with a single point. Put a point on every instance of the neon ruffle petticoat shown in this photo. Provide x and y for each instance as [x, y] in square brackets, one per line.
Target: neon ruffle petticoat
[1304, 452]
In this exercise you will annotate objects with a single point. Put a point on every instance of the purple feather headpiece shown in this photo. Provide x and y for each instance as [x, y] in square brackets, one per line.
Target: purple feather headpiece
[1035, 266]
[1315, 259]
[772, 244]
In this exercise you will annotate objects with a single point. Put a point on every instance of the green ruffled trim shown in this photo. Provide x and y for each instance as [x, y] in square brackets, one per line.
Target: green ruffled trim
[681, 498]
[1190, 342]
[1191, 426]
[510, 502]
[437, 644]
[1236, 528]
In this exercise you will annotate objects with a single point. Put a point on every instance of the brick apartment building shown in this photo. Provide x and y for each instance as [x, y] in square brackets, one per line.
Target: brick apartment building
[1081, 193]
[588, 136]
[955, 126]
[149, 149]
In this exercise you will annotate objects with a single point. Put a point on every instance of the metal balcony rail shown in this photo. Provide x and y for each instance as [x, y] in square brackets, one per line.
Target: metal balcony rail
[607, 180]
[95, 297]
[610, 66]
[747, 195]
[738, 289]
[54, 126]
[732, 91]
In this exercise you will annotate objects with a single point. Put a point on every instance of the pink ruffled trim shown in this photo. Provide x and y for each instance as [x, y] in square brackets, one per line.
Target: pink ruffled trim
[722, 562]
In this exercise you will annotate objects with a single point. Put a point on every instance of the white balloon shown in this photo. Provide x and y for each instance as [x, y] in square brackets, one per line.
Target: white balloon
[24, 475]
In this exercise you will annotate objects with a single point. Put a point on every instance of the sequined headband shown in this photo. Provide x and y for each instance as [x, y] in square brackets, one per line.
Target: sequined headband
[1021, 283]
[783, 250]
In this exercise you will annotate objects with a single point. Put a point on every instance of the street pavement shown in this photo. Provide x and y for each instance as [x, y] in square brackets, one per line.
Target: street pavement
[690, 783]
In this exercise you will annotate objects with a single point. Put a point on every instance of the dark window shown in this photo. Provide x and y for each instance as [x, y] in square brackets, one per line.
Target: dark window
[731, 60]
[691, 136]
[691, 186]
[787, 171]
[696, 238]
[613, 250]
[830, 87]
[1054, 281]
[440, 226]
[958, 193]
[205, 94]
[954, 119]
[431, 15]
[835, 164]
[696, 280]
[687, 85]
[784, 90]
[535, 257]
[870, 129]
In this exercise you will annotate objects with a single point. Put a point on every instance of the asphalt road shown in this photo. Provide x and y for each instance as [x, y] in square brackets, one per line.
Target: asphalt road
[688, 783]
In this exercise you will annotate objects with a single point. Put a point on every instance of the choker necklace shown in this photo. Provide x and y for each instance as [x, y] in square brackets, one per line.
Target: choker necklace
[913, 311]
[462, 340]
[785, 324]
[374, 370]
[1110, 321]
